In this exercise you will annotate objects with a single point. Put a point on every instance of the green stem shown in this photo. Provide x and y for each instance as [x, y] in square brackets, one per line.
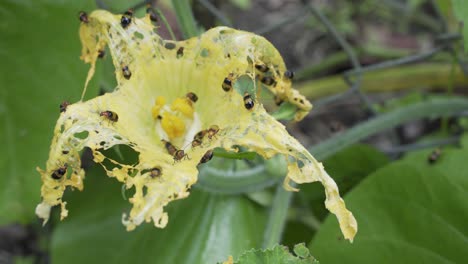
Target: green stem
[166, 24]
[445, 120]
[184, 14]
[423, 145]
[277, 217]
[331, 61]
[215, 11]
[340, 58]
[235, 182]
[430, 108]
[430, 75]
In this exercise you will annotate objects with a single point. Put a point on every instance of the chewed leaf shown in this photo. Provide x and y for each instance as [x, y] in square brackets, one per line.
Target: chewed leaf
[175, 102]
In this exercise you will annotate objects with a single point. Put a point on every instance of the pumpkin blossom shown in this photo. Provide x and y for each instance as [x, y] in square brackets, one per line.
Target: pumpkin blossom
[175, 102]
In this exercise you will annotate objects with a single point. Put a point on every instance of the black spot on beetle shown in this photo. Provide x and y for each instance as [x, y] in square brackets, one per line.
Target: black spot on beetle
[125, 21]
[180, 52]
[268, 80]
[248, 101]
[289, 75]
[101, 54]
[126, 72]
[83, 17]
[261, 67]
[152, 15]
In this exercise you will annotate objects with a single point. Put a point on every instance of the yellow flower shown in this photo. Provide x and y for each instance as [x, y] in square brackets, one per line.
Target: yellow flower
[175, 102]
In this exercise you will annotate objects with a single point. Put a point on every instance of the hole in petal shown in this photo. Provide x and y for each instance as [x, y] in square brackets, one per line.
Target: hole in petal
[169, 45]
[81, 135]
[300, 164]
[245, 85]
[138, 35]
[122, 154]
[109, 165]
[205, 53]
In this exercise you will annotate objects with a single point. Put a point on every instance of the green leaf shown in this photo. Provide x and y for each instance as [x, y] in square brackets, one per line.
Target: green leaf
[348, 168]
[286, 111]
[353, 164]
[301, 251]
[203, 228]
[460, 8]
[445, 7]
[410, 211]
[277, 255]
[117, 6]
[40, 68]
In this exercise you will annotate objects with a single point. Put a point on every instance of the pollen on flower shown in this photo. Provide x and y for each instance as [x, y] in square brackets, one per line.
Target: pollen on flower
[158, 105]
[178, 105]
[173, 125]
[184, 106]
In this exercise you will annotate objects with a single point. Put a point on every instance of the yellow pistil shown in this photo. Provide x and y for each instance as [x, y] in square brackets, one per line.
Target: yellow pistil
[158, 105]
[173, 125]
[184, 106]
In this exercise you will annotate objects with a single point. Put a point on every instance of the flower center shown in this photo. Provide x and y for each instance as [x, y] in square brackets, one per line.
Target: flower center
[176, 122]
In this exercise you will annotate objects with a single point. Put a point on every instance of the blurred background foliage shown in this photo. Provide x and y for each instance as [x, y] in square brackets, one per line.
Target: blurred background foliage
[388, 81]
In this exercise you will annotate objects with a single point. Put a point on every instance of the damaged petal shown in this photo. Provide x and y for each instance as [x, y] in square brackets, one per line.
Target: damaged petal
[176, 102]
